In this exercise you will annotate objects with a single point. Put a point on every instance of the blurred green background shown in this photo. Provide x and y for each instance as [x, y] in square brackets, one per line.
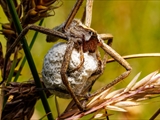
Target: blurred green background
[135, 26]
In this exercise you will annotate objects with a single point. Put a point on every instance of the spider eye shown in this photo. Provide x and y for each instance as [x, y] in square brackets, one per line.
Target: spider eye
[90, 33]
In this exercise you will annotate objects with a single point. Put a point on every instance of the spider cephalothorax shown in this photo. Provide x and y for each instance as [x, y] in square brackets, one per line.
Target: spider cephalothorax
[83, 35]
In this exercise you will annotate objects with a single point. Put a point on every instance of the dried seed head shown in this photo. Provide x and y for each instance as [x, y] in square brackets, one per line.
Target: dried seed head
[144, 80]
[34, 10]
[78, 79]
[115, 108]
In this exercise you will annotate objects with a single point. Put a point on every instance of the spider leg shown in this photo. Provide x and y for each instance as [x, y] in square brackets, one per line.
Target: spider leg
[63, 72]
[91, 80]
[24, 31]
[102, 63]
[73, 13]
[108, 37]
[69, 20]
[36, 28]
[81, 59]
[120, 60]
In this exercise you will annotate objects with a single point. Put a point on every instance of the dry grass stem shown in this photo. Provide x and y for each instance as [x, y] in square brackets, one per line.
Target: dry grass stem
[118, 100]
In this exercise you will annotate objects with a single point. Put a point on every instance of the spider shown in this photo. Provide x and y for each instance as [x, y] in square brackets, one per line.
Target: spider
[84, 39]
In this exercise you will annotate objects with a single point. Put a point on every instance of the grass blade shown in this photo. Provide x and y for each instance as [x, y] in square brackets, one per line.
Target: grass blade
[29, 58]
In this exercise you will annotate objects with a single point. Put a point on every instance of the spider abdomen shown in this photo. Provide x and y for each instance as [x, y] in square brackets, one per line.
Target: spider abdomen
[77, 79]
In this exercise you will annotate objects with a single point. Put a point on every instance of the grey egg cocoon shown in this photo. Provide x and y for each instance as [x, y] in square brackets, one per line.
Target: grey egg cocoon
[78, 79]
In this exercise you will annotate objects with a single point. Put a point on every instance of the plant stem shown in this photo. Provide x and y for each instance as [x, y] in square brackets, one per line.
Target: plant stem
[30, 47]
[32, 66]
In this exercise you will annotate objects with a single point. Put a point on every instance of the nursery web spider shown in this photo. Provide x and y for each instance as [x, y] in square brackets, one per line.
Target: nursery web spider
[84, 39]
